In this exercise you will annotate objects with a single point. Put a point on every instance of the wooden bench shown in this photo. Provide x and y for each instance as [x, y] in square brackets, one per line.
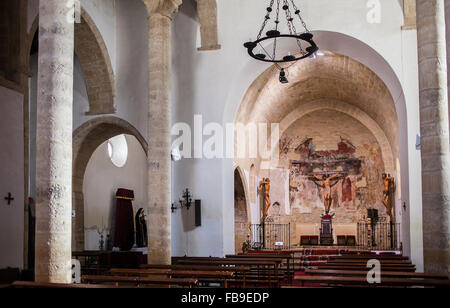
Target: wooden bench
[382, 261]
[47, 285]
[383, 274]
[184, 282]
[241, 271]
[211, 276]
[362, 268]
[368, 257]
[393, 264]
[362, 281]
[309, 240]
[266, 269]
[287, 257]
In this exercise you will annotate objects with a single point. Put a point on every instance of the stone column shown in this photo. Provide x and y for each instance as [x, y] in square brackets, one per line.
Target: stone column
[447, 23]
[207, 15]
[435, 134]
[54, 142]
[159, 139]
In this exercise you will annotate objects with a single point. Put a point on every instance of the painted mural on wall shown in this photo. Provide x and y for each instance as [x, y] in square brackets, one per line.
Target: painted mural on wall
[358, 185]
[305, 194]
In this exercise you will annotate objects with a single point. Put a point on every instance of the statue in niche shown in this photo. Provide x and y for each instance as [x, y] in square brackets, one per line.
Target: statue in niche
[327, 180]
[141, 229]
[388, 192]
[264, 188]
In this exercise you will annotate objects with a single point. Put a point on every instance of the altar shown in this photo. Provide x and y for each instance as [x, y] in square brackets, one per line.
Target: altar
[326, 231]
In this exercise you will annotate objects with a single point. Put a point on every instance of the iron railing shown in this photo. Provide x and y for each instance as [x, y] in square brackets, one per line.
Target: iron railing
[271, 236]
[378, 236]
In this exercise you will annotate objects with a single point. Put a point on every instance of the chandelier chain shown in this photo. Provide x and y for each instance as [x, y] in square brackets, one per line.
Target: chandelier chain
[266, 19]
[297, 12]
[277, 21]
[291, 26]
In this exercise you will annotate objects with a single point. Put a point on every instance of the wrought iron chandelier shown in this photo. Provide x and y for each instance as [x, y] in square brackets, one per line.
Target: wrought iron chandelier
[304, 40]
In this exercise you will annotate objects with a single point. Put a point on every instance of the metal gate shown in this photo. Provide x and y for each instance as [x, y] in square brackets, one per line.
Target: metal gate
[379, 236]
[271, 236]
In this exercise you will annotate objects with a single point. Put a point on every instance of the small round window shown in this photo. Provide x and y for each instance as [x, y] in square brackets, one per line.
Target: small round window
[117, 150]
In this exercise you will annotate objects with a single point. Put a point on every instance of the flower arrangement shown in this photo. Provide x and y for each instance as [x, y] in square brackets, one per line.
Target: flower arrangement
[327, 216]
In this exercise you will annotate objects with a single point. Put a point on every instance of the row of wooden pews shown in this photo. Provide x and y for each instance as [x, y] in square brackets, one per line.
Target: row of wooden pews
[352, 270]
[261, 271]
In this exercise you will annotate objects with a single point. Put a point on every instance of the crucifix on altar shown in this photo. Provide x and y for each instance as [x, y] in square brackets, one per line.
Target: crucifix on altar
[326, 180]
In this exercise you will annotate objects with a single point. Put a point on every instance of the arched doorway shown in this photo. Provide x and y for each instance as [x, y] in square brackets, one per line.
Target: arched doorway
[241, 216]
[86, 139]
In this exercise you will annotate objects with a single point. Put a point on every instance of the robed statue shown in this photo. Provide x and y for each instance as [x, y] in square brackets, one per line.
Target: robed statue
[141, 229]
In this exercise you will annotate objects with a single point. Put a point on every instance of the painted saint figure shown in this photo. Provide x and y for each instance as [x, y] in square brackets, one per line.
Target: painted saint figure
[326, 181]
[388, 182]
[264, 188]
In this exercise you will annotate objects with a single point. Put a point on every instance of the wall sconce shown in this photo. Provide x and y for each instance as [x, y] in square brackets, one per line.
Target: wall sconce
[185, 201]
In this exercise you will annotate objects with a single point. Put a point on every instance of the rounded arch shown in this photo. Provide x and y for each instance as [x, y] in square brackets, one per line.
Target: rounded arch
[358, 114]
[95, 61]
[241, 210]
[254, 76]
[329, 77]
[246, 191]
[86, 139]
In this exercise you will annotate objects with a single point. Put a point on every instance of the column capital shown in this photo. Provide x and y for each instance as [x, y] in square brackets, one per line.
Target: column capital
[162, 7]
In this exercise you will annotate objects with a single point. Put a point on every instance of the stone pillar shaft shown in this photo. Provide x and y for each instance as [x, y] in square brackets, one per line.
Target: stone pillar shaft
[434, 125]
[159, 168]
[54, 142]
[159, 139]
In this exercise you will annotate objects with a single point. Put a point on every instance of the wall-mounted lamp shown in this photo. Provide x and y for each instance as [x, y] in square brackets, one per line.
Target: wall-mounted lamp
[185, 201]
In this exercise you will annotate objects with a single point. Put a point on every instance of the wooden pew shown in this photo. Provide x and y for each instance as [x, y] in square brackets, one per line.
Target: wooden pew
[266, 269]
[364, 264]
[383, 274]
[362, 281]
[363, 267]
[288, 257]
[47, 285]
[382, 261]
[368, 257]
[184, 282]
[241, 271]
[202, 276]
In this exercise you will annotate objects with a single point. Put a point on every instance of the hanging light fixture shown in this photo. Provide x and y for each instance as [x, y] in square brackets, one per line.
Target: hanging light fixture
[306, 47]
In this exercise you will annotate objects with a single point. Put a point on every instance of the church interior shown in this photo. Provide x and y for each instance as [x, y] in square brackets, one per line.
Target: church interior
[224, 143]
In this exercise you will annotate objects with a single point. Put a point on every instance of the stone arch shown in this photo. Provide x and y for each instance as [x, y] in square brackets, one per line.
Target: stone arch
[409, 14]
[86, 140]
[95, 61]
[241, 210]
[207, 15]
[255, 77]
[358, 114]
[246, 191]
